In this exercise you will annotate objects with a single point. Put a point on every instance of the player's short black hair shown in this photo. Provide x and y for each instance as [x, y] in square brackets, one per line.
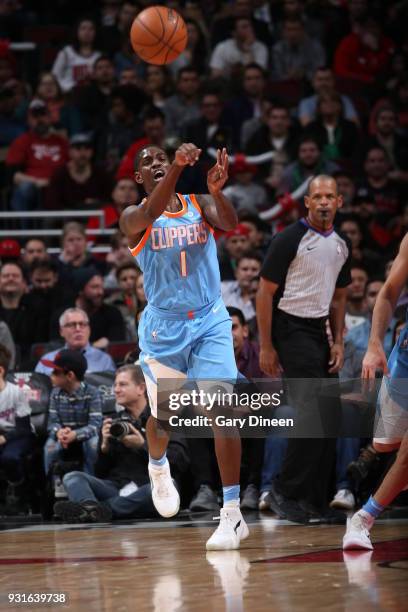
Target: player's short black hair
[141, 152]
[236, 312]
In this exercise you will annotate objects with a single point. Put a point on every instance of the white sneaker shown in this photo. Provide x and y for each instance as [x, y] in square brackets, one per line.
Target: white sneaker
[344, 500]
[164, 494]
[231, 530]
[264, 501]
[357, 536]
[59, 489]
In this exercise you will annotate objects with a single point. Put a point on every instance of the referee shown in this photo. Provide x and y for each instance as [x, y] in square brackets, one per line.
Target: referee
[303, 285]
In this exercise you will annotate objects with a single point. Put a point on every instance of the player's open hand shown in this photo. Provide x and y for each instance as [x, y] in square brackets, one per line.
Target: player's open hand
[374, 359]
[187, 154]
[217, 175]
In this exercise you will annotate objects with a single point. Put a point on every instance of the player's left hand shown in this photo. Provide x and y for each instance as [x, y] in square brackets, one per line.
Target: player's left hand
[217, 175]
[336, 358]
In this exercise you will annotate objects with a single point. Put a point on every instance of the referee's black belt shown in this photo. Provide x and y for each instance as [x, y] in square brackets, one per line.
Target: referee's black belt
[319, 322]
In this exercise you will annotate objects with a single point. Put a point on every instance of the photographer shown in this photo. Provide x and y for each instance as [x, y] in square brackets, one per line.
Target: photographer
[121, 488]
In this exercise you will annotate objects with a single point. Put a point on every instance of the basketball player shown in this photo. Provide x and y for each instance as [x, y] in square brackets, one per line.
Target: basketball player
[185, 330]
[392, 422]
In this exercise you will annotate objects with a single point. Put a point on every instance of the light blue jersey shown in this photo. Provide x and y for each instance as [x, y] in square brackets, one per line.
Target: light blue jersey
[185, 330]
[178, 257]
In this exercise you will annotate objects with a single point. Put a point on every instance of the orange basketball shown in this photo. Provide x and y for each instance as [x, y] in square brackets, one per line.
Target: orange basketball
[158, 35]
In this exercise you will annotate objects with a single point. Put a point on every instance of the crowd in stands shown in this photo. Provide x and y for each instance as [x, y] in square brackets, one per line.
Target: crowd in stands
[292, 88]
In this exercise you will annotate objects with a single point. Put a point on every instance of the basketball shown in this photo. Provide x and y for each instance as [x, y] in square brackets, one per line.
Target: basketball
[158, 35]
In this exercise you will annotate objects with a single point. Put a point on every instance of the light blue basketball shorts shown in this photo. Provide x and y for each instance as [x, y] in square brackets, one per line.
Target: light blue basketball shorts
[177, 347]
[392, 404]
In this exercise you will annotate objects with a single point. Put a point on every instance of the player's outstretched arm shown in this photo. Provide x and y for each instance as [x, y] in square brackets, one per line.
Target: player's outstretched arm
[384, 307]
[135, 219]
[217, 209]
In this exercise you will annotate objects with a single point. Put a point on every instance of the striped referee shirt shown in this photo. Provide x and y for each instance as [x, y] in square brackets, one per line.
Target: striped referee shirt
[308, 266]
[80, 410]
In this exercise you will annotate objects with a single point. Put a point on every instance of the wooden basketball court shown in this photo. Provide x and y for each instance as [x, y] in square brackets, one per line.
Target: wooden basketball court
[163, 566]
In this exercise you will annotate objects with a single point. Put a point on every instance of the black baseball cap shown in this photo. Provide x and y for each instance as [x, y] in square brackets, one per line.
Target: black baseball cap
[70, 361]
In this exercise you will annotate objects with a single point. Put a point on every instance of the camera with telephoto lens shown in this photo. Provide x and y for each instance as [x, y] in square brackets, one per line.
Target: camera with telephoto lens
[121, 426]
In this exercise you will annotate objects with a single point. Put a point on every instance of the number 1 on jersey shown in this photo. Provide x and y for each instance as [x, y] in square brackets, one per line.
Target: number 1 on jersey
[183, 263]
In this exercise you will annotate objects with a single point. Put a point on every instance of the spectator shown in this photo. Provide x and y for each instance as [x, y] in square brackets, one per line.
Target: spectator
[367, 258]
[296, 56]
[93, 100]
[153, 133]
[6, 340]
[80, 183]
[196, 52]
[10, 126]
[247, 104]
[323, 82]
[251, 126]
[74, 414]
[75, 329]
[122, 127]
[347, 189]
[211, 129]
[241, 292]
[119, 254]
[184, 104]
[309, 162]
[247, 358]
[236, 243]
[74, 63]
[356, 305]
[33, 157]
[158, 84]
[224, 22]
[387, 195]
[113, 33]
[243, 48]
[16, 437]
[65, 118]
[277, 135]
[338, 137]
[74, 254]
[244, 192]
[389, 136]
[106, 322]
[45, 296]
[13, 306]
[34, 249]
[125, 299]
[259, 231]
[121, 488]
[359, 334]
[125, 192]
[364, 54]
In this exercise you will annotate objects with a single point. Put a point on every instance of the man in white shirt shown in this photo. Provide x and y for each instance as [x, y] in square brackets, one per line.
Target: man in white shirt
[16, 438]
[241, 292]
[75, 329]
[242, 49]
